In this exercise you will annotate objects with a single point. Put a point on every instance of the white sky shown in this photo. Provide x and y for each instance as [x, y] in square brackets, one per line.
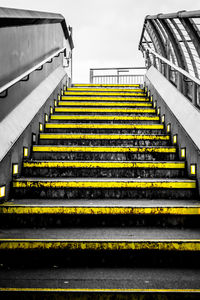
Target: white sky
[106, 33]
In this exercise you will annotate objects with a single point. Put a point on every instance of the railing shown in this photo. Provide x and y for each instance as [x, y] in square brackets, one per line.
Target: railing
[25, 75]
[171, 43]
[114, 76]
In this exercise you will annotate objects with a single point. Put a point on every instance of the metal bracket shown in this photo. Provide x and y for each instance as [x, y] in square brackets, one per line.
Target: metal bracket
[4, 94]
[25, 78]
[39, 69]
[50, 61]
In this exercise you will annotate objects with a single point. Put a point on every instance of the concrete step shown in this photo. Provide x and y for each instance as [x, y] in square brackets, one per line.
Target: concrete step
[109, 119]
[104, 98]
[109, 169]
[115, 94]
[108, 104]
[106, 85]
[92, 127]
[108, 111]
[96, 239]
[79, 188]
[88, 89]
[104, 153]
[100, 283]
[87, 213]
[103, 139]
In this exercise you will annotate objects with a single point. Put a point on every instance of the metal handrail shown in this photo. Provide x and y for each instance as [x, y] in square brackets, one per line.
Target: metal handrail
[8, 85]
[171, 43]
[115, 76]
[178, 69]
[132, 68]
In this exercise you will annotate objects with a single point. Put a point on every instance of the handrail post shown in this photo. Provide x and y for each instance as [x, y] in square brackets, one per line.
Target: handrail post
[179, 81]
[91, 76]
[194, 93]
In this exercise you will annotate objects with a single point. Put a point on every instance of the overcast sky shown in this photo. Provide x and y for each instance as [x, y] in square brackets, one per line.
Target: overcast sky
[105, 32]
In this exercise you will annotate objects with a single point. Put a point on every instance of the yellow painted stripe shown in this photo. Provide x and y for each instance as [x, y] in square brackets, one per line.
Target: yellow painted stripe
[78, 290]
[105, 126]
[76, 89]
[70, 244]
[104, 98]
[106, 184]
[60, 136]
[119, 110]
[99, 164]
[106, 94]
[88, 117]
[70, 103]
[106, 85]
[103, 149]
[9, 209]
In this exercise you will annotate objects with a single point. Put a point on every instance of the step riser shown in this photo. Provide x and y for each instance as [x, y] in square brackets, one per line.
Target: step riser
[103, 156]
[105, 105]
[96, 121]
[103, 172]
[85, 221]
[98, 130]
[102, 142]
[155, 259]
[103, 193]
[107, 113]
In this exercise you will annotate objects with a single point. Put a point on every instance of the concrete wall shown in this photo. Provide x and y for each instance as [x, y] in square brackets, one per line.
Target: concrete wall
[27, 38]
[181, 114]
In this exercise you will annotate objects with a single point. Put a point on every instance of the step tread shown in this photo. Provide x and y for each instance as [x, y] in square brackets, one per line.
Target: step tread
[104, 183]
[88, 164]
[107, 117]
[126, 180]
[110, 103]
[58, 135]
[104, 98]
[143, 234]
[101, 279]
[103, 125]
[143, 203]
[104, 148]
[103, 90]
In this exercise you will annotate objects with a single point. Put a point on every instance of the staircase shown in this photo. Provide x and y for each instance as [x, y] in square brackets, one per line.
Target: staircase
[104, 207]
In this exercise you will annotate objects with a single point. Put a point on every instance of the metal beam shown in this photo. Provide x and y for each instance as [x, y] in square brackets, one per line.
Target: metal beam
[175, 44]
[158, 37]
[193, 32]
[180, 14]
[186, 46]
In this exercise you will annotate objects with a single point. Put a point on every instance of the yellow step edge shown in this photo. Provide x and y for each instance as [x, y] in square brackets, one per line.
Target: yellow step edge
[17, 209]
[104, 90]
[106, 85]
[85, 296]
[106, 94]
[88, 164]
[60, 136]
[118, 99]
[82, 244]
[89, 103]
[105, 126]
[119, 110]
[105, 184]
[103, 149]
[88, 117]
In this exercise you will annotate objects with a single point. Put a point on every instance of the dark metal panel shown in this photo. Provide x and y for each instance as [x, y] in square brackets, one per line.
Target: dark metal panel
[177, 49]
[18, 17]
